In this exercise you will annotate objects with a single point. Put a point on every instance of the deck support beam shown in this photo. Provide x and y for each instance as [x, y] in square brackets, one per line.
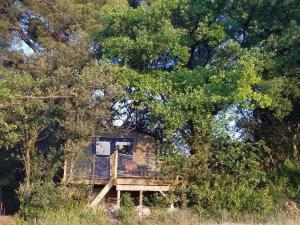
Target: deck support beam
[118, 199]
[126, 187]
[141, 199]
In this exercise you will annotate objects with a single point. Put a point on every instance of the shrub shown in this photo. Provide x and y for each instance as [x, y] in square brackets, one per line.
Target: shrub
[126, 214]
[232, 179]
[290, 172]
[42, 197]
[156, 200]
[68, 216]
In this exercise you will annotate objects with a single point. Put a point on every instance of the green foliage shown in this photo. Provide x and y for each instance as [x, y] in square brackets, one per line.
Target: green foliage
[151, 33]
[234, 180]
[244, 62]
[43, 194]
[41, 198]
[54, 96]
[126, 214]
[287, 179]
[49, 25]
[75, 215]
[157, 200]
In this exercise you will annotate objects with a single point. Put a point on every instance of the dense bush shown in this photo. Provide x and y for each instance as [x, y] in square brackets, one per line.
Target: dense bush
[156, 200]
[126, 214]
[43, 197]
[43, 194]
[233, 179]
[287, 181]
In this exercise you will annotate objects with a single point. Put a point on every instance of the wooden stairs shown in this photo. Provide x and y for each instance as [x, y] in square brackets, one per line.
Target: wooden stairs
[110, 184]
[123, 184]
[102, 194]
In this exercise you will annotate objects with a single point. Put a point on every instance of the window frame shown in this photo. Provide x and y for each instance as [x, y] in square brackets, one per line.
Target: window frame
[113, 141]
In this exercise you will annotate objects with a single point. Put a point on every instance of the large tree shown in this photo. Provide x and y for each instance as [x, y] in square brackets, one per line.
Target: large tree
[188, 60]
[192, 61]
[61, 91]
[49, 81]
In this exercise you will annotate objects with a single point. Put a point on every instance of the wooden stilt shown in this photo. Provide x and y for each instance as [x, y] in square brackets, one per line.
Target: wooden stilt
[118, 199]
[141, 199]
[172, 205]
[65, 179]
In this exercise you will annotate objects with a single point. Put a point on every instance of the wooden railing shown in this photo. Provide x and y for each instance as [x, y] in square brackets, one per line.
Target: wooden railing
[128, 167]
[117, 165]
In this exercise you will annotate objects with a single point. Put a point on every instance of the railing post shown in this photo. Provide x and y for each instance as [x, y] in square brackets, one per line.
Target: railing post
[93, 169]
[72, 164]
[116, 164]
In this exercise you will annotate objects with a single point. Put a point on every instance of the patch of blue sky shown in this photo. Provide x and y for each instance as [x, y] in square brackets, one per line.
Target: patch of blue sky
[17, 44]
[122, 112]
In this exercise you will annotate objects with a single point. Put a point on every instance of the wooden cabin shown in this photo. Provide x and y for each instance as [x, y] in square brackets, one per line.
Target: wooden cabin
[122, 160]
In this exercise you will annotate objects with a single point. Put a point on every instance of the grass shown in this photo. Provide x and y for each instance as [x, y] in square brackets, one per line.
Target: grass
[67, 217]
[157, 217]
[188, 218]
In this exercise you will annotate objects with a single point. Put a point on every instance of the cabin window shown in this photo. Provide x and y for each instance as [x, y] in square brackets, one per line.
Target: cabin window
[124, 147]
[103, 148]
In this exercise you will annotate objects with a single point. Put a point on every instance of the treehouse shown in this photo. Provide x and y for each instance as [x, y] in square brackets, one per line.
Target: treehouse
[122, 160]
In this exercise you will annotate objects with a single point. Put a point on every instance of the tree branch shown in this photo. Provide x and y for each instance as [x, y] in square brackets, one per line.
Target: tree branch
[48, 97]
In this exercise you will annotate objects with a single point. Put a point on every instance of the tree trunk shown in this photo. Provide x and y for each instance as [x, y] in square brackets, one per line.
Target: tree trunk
[295, 140]
[183, 198]
[28, 147]
[1, 205]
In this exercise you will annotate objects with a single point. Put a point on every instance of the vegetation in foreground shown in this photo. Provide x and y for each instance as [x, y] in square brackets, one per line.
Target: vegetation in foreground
[157, 217]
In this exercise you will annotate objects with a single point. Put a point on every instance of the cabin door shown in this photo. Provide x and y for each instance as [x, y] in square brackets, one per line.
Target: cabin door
[103, 152]
[105, 147]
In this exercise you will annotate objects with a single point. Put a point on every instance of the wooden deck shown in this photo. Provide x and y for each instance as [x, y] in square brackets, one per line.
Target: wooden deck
[116, 170]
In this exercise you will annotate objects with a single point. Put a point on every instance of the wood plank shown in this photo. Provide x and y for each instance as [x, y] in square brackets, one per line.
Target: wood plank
[89, 181]
[141, 188]
[140, 181]
[118, 199]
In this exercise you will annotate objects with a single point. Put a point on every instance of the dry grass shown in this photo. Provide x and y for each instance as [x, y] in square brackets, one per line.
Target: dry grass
[5, 220]
[156, 218]
[188, 218]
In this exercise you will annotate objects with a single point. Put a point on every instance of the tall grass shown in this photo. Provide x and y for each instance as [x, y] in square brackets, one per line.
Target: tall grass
[157, 217]
[68, 217]
[187, 217]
